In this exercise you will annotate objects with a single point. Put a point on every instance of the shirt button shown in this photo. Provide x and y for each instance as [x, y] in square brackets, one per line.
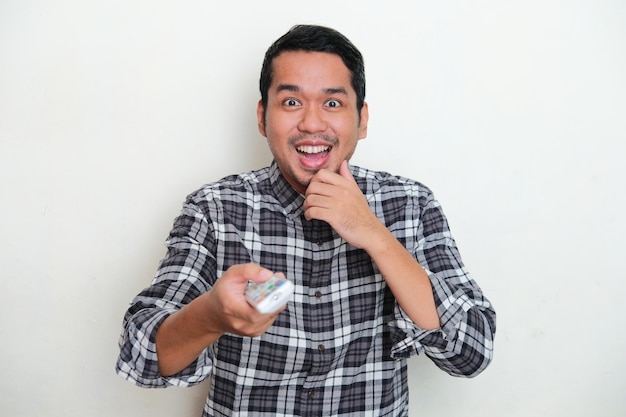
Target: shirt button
[319, 242]
[310, 394]
[318, 294]
[321, 348]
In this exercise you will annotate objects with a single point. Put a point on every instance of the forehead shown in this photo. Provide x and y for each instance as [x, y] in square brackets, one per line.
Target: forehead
[310, 70]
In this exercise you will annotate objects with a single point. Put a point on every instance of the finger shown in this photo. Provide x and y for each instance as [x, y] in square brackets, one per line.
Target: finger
[326, 176]
[344, 177]
[317, 200]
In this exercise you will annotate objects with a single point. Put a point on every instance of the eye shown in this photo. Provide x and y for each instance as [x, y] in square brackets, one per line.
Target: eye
[291, 102]
[332, 103]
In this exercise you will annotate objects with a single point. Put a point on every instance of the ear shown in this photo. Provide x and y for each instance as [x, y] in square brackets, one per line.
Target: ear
[260, 115]
[365, 115]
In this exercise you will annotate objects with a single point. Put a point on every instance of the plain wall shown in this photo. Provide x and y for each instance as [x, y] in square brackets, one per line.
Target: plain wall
[513, 112]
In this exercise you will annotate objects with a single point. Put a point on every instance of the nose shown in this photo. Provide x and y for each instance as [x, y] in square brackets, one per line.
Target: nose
[313, 120]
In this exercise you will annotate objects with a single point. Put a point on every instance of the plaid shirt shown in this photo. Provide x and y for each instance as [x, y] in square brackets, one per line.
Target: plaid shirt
[340, 347]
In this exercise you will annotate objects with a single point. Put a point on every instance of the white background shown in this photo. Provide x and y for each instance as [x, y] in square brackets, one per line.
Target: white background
[513, 112]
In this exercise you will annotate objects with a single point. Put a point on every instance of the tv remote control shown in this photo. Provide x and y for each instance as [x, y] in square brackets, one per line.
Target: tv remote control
[269, 296]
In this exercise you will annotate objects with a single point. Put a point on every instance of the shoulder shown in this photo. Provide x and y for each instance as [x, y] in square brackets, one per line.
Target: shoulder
[381, 182]
[236, 187]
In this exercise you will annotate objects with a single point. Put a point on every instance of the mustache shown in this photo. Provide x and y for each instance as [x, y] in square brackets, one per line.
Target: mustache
[330, 140]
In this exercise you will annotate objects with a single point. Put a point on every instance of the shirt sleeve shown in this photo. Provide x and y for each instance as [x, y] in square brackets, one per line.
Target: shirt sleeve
[183, 274]
[463, 345]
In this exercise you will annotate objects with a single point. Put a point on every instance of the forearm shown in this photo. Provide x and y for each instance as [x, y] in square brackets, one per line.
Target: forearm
[223, 309]
[182, 337]
[406, 279]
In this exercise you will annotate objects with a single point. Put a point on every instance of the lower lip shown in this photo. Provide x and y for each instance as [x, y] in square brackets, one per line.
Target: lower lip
[314, 161]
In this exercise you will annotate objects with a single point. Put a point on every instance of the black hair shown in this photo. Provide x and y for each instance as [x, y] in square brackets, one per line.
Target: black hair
[314, 38]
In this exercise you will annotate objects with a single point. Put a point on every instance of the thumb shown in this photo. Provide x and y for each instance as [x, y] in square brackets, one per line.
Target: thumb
[344, 171]
[250, 272]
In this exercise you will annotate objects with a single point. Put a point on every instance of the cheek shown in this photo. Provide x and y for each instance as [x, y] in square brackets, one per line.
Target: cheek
[348, 130]
[278, 126]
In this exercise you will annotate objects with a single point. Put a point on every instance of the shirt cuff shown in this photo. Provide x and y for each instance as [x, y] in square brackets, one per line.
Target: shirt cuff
[138, 361]
[411, 340]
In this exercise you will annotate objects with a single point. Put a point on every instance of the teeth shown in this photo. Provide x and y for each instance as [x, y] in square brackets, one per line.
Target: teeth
[312, 149]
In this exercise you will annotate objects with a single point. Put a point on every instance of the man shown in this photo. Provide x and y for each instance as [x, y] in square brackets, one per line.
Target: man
[377, 275]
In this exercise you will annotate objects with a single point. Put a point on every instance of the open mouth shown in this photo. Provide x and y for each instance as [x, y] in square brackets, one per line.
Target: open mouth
[318, 151]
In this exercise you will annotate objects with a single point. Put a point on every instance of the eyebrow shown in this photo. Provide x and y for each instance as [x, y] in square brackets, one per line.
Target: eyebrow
[295, 89]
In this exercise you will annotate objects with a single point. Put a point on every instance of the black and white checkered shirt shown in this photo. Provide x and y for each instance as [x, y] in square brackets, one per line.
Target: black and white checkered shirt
[340, 347]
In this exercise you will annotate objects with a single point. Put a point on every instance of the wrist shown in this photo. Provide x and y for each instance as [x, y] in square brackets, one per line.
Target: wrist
[380, 241]
[206, 316]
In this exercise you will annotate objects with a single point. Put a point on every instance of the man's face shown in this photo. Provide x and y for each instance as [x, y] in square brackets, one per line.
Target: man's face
[311, 121]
